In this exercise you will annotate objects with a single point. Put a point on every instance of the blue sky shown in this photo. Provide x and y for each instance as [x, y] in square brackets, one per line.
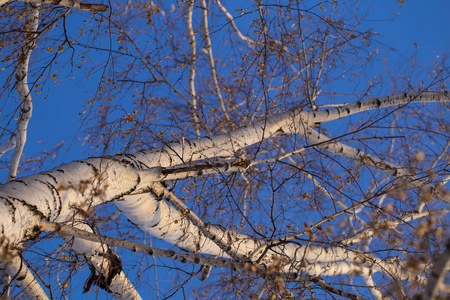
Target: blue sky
[424, 23]
[419, 26]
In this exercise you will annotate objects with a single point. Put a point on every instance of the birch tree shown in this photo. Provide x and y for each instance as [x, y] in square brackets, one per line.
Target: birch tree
[238, 150]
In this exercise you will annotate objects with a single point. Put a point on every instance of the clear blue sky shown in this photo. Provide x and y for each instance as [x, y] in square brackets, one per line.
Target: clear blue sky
[425, 23]
[420, 22]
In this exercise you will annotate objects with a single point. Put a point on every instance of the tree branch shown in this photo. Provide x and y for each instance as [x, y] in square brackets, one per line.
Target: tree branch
[187, 257]
[26, 105]
[438, 273]
[24, 279]
[66, 3]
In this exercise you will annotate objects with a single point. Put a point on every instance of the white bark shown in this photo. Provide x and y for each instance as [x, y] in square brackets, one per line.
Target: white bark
[65, 3]
[14, 266]
[388, 224]
[212, 65]
[24, 279]
[315, 138]
[440, 270]
[11, 144]
[374, 103]
[192, 71]
[26, 104]
[291, 122]
[106, 267]
[117, 176]
[167, 223]
[61, 193]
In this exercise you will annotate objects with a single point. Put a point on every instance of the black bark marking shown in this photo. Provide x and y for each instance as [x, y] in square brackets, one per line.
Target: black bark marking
[134, 224]
[378, 101]
[25, 111]
[94, 168]
[21, 278]
[116, 160]
[10, 204]
[55, 194]
[279, 131]
[156, 196]
[103, 280]
[154, 225]
[142, 165]
[11, 208]
[133, 160]
[51, 176]
[132, 189]
[31, 207]
[32, 234]
[21, 181]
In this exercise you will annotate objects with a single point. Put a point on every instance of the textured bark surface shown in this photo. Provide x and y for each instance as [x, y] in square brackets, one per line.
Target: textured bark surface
[218, 133]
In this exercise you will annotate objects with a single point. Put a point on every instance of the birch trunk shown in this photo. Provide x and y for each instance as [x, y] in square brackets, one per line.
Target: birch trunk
[61, 194]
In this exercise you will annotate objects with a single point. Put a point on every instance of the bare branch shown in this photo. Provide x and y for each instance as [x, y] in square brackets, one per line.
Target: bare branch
[26, 106]
[439, 271]
[66, 3]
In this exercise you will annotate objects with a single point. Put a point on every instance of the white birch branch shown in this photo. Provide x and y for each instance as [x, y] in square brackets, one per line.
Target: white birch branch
[211, 59]
[375, 103]
[44, 196]
[10, 144]
[337, 148]
[192, 61]
[66, 3]
[24, 279]
[165, 222]
[372, 287]
[439, 271]
[389, 224]
[291, 122]
[231, 20]
[16, 268]
[185, 257]
[26, 105]
[106, 267]
[59, 193]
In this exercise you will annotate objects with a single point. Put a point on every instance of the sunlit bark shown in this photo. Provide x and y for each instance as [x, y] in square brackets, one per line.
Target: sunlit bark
[245, 122]
[66, 3]
[26, 104]
[61, 193]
